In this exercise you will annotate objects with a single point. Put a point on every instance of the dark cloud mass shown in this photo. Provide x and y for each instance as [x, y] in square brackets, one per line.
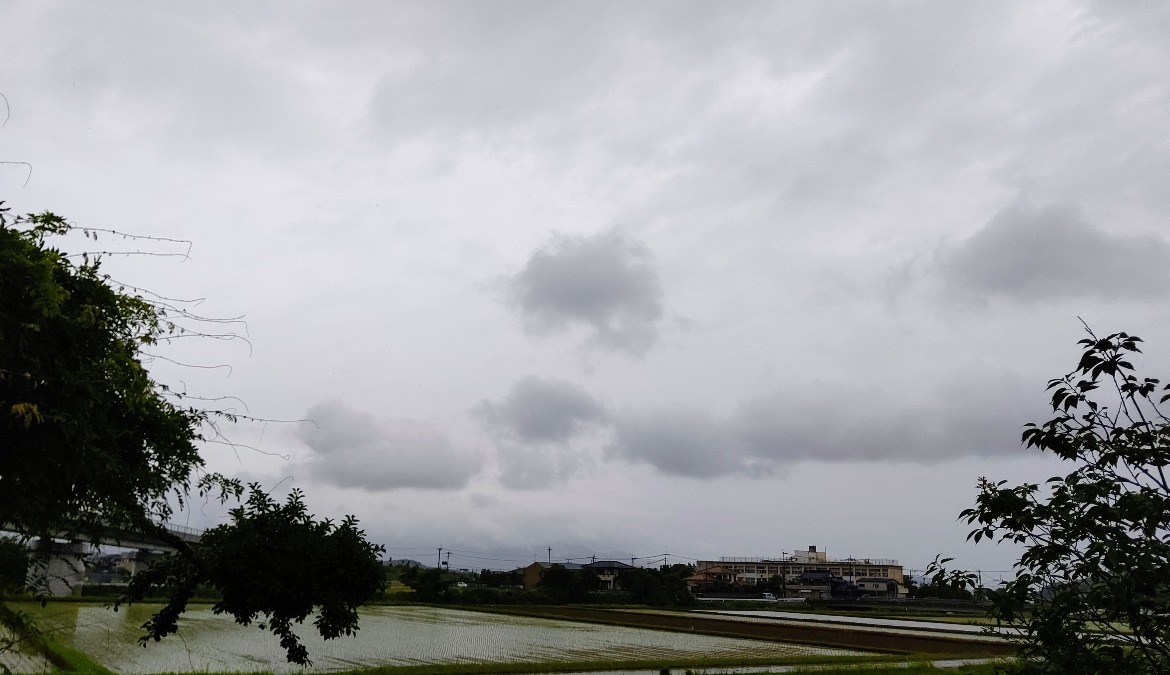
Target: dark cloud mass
[525, 467]
[977, 412]
[357, 449]
[542, 410]
[537, 425]
[681, 442]
[604, 283]
[1033, 254]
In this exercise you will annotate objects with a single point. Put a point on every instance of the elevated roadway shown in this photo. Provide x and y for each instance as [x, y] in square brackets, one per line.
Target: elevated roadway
[124, 538]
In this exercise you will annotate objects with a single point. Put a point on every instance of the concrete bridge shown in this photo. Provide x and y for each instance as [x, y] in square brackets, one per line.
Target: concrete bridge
[59, 559]
[149, 542]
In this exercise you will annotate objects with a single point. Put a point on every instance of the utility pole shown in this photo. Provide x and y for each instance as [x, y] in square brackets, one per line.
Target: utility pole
[550, 555]
[448, 560]
[593, 558]
[783, 577]
[439, 562]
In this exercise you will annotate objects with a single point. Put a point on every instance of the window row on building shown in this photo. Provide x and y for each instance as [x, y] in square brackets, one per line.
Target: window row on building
[752, 571]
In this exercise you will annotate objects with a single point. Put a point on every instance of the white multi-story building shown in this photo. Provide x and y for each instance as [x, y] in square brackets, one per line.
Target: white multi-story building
[752, 571]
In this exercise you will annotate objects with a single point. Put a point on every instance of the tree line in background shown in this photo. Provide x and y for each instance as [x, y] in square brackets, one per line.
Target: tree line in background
[658, 587]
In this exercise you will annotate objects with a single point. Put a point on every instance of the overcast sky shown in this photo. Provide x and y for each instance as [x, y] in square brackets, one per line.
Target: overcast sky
[712, 279]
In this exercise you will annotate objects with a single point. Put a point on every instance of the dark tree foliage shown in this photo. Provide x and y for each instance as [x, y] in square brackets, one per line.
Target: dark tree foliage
[430, 584]
[658, 587]
[13, 565]
[563, 585]
[90, 443]
[678, 570]
[88, 440]
[1092, 591]
[942, 589]
[275, 562]
[494, 578]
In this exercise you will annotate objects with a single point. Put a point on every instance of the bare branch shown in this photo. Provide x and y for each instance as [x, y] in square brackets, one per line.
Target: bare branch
[25, 165]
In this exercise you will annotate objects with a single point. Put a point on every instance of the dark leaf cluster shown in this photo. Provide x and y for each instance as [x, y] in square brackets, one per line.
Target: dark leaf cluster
[430, 584]
[665, 587]
[89, 441]
[274, 564]
[564, 586]
[1092, 590]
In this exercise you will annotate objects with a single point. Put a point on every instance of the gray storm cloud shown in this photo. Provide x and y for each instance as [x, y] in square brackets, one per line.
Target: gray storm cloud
[544, 427]
[604, 283]
[978, 411]
[542, 410]
[525, 467]
[680, 442]
[1034, 254]
[536, 425]
[356, 449]
[975, 411]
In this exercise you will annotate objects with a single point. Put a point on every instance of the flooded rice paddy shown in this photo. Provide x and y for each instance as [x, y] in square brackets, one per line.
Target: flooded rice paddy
[389, 636]
[957, 631]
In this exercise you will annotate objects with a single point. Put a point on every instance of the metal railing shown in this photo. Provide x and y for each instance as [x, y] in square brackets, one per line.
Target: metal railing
[183, 529]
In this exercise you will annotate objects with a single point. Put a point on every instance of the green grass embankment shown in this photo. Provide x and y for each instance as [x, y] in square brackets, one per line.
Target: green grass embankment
[36, 642]
[68, 660]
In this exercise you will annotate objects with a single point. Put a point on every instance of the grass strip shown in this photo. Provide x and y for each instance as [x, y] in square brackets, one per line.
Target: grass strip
[34, 640]
[66, 659]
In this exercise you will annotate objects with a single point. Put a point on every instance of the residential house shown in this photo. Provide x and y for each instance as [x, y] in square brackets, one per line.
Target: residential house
[608, 573]
[534, 573]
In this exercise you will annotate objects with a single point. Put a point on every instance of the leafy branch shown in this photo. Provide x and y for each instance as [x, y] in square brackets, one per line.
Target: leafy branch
[1092, 590]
